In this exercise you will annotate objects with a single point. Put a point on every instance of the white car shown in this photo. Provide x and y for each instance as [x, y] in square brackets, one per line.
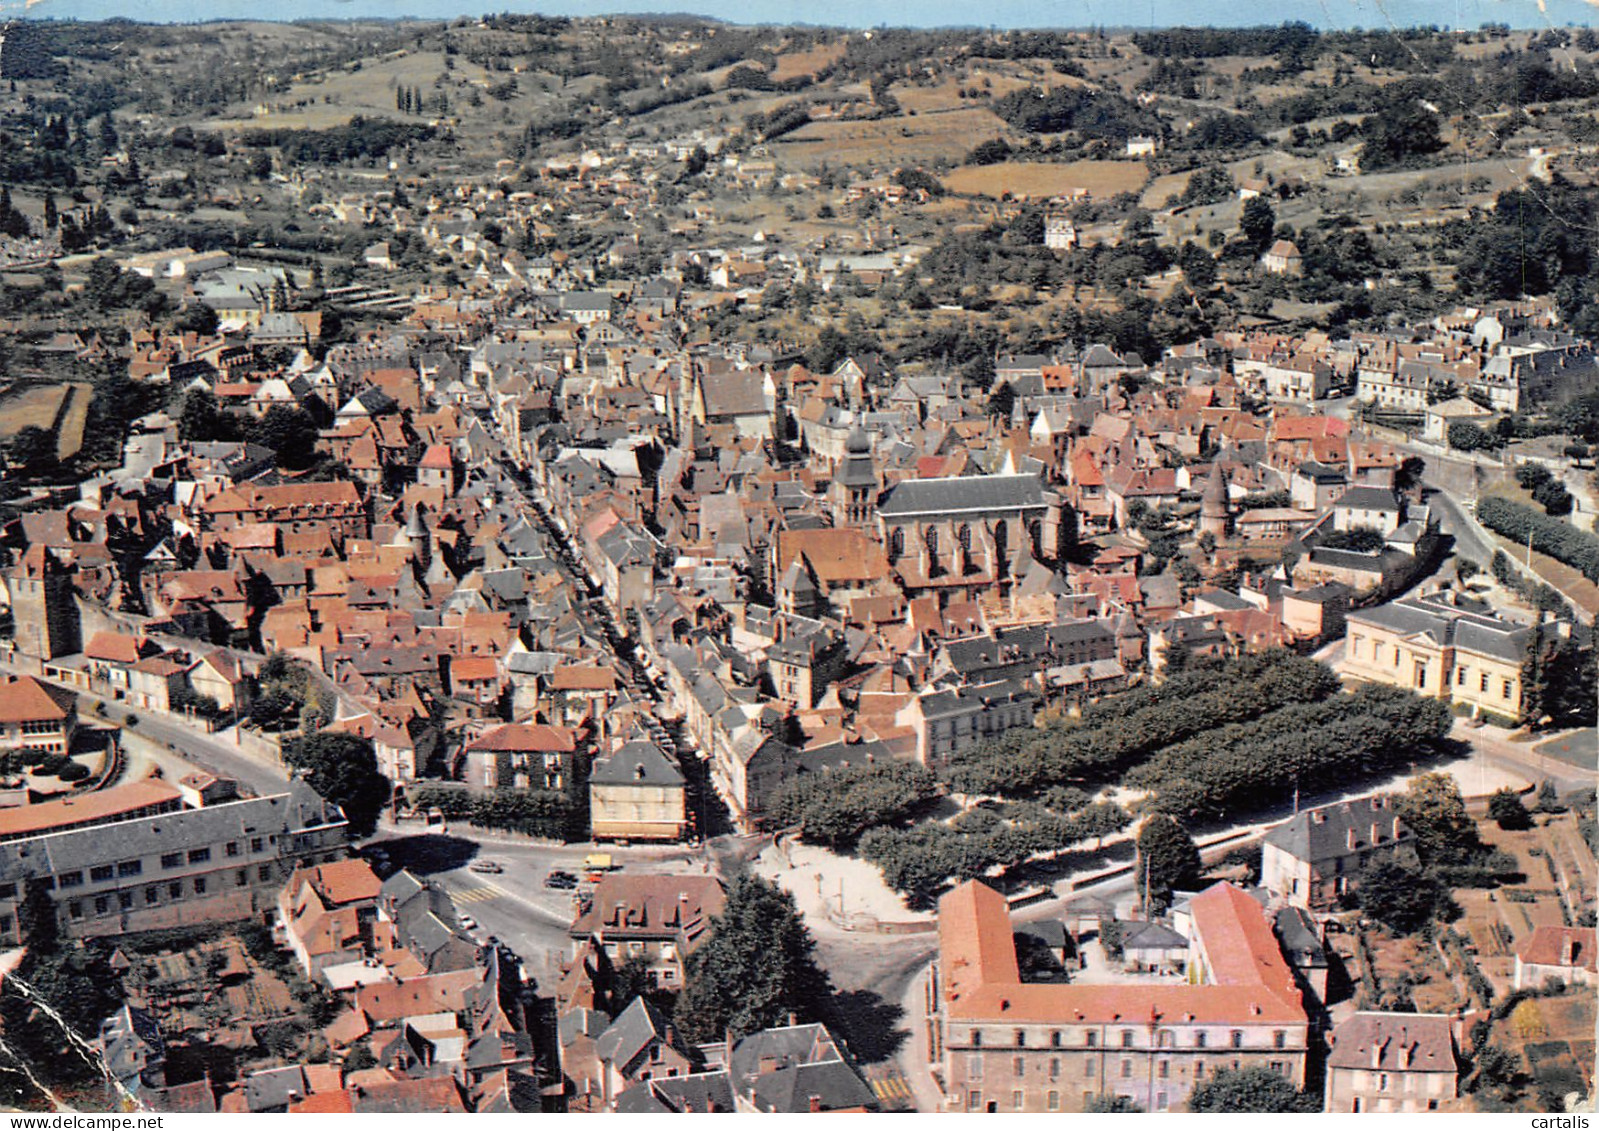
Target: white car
[468, 922]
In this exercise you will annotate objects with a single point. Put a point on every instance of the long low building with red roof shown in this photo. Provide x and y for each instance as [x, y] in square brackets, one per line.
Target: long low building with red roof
[1001, 1044]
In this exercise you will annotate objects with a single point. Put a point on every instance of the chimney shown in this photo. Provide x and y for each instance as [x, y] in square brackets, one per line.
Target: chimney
[1406, 1051]
[1376, 1052]
[1568, 951]
[1397, 827]
[816, 1105]
[1318, 817]
[1376, 833]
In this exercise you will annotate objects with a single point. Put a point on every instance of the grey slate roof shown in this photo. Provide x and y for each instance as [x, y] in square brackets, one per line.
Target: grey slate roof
[1153, 936]
[961, 494]
[636, 763]
[1323, 834]
[1369, 499]
[280, 815]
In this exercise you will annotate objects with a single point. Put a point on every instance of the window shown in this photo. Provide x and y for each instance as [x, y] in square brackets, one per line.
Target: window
[125, 900]
[1238, 1038]
[974, 1067]
[241, 877]
[1021, 1038]
[199, 855]
[130, 868]
[264, 872]
[175, 890]
[977, 1038]
[1053, 1101]
[152, 895]
[1278, 1067]
[256, 844]
[101, 873]
[1164, 1039]
[172, 860]
[1382, 1081]
[1127, 1068]
[1505, 686]
[1088, 1066]
[1018, 1066]
[8, 891]
[974, 1101]
[1199, 1069]
[1460, 677]
[1016, 1100]
[1160, 1101]
[1127, 1038]
[1200, 1038]
[70, 879]
[1054, 1039]
[75, 909]
[1163, 1069]
[1054, 1068]
[199, 885]
[233, 848]
[102, 904]
[5, 927]
[1093, 1040]
[1483, 683]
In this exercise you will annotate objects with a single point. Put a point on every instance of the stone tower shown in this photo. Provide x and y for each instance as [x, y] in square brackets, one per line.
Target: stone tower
[1214, 518]
[853, 495]
[44, 607]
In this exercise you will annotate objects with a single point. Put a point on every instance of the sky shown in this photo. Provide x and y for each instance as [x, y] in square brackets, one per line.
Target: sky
[873, 13]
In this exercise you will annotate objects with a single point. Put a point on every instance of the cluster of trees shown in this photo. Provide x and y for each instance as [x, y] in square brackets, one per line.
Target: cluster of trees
[757, 969]
[287, 696]
[917, 860]
[1303, 745]
[780, 120]
[836, 808]
[1540, 595]
[79, 986]
[1558, 680]
[1560, 540]
[536, 812]
[1168, 861]
[1547, 491]
[1533, 242]
[291, 432]
[12, 220]
[1128, 729]
[343, 769]
[1360, 539]
[1093, 113]
[360, 139]
[1207, 185]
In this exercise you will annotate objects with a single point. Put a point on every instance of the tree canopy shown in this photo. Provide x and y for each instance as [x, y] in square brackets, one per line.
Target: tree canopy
[757, 967]
[1168, 861]
[343, 769]
[1250, 1090]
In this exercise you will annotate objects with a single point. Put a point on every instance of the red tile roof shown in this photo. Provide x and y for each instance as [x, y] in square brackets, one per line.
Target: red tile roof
[526, 736]
[1547, 947]
[24, 699]
[981, 980]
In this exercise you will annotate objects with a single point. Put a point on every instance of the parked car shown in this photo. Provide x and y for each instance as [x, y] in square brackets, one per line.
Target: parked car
[563, 881]
[490, 867]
